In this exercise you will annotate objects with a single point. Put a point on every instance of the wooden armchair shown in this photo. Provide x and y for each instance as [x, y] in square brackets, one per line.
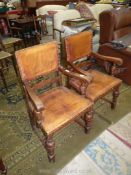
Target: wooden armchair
[79, 46]
[51, 105]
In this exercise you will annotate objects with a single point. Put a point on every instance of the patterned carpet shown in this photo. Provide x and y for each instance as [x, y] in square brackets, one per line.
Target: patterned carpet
[109, 154]
[21, 149]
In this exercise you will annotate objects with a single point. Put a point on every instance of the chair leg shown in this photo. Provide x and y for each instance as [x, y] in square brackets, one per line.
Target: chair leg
[3, 169]
[115, 95]
[3, 79]
[88, 120]
[50, 146]
[14, 65]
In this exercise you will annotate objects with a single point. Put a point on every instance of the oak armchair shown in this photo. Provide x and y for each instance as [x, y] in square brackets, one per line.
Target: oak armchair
[80, 46]
[51, 106]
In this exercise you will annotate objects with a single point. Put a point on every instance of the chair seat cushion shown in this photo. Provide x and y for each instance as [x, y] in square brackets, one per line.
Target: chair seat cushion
[61, 107]
[101, 84]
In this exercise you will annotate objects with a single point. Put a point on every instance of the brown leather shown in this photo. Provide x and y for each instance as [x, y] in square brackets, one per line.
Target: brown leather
[79, 41]
[100, 86]
[36, 55]
[61, 106]
[114, 24]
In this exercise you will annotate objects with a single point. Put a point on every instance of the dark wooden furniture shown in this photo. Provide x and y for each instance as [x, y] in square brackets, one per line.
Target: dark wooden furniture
[124, 53]
[8, 41]
[118, 25]
[79, 46]
[26, 28]
[8, 44]
[3, 169]
[40, 3]
[55, 108]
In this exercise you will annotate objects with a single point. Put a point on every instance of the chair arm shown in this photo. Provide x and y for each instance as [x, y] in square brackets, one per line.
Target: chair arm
[114, 60]
[71, 74]
[37, 103]
[80, 71]
[16, 28]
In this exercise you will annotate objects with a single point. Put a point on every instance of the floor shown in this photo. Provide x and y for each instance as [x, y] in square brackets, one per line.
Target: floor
[109, 154]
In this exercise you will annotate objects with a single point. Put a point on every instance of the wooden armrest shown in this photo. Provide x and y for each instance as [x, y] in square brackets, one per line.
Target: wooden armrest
[37, 103]
[114, 60]
[81, 77]
[80, 71]
[16, 28]
[58, 30]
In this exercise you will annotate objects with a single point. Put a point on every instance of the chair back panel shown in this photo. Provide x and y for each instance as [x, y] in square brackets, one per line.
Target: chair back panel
[78, 45]
[37, 60]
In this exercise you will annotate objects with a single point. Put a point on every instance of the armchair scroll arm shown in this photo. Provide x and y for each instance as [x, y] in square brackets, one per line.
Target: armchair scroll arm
[71, 74]
[81, 71]
[113, 60]
[112, 65]
[35, 100]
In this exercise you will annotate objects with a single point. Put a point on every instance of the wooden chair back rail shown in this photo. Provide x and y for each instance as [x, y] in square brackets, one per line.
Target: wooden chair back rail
[44, 83]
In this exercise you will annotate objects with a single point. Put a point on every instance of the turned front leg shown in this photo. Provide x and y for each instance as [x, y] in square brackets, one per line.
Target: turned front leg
[88, 120]
[115, 95]
[50, 147]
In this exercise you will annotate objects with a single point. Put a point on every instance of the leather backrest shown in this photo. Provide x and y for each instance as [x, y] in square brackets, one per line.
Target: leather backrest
[37, 60]
[78, 45]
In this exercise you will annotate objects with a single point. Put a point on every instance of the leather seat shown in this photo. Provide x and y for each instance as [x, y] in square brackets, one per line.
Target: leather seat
[101, 84]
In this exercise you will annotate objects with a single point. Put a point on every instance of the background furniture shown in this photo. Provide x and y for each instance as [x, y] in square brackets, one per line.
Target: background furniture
[8, 45]
[118, 25]
[124, 53]
[48, 12]
[97, 9]
[57, 106]
[27, 28]
[79, 46]
[61, 16]
[40, 3]
[5, 56]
